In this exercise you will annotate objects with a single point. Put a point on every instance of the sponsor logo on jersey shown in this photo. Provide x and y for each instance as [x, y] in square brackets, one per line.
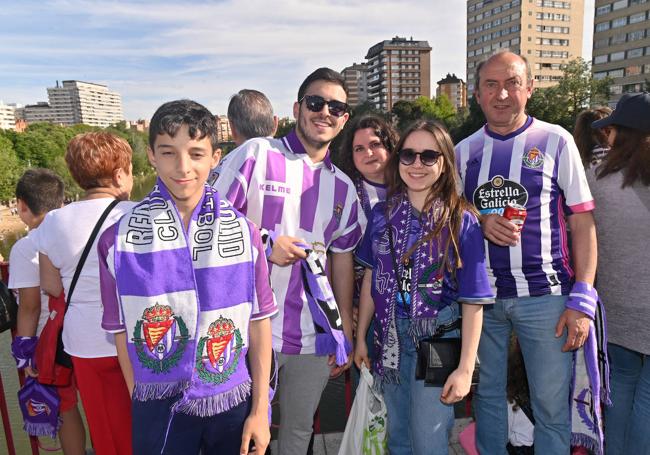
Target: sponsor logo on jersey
[493, 196]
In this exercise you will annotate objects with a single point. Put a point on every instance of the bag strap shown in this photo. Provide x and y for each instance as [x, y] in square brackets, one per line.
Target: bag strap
[400, 283]
[86, 251]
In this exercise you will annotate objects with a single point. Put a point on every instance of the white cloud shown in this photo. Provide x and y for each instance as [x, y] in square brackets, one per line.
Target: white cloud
[154, 51]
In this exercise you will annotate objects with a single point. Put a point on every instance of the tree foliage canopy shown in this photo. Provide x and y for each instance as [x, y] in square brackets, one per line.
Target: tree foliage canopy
[44, 145]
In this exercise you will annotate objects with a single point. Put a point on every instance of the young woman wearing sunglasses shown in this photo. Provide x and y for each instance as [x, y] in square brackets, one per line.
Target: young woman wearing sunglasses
[424, 254]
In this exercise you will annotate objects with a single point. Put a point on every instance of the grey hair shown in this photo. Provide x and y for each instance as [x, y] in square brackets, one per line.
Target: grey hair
[251, 114]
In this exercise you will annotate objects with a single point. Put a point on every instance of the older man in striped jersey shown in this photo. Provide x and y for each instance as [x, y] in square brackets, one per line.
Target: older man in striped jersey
[519, 159]
[290, 187]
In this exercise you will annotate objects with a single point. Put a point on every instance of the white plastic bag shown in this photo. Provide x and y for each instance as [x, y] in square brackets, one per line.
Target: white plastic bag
[365, 432]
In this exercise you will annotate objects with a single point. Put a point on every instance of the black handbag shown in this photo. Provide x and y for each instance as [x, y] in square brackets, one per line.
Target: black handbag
[437, 357]
[8, 308]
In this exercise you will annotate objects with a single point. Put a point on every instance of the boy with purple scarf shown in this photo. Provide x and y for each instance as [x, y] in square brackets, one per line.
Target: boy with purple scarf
[186, 292]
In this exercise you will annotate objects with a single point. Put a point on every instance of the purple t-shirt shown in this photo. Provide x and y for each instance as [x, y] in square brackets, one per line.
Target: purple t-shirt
[539, 167]
[471, 283]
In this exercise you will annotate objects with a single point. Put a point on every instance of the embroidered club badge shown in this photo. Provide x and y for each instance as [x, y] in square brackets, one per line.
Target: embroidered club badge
[533, 158]
[157, 344]
[218, 353]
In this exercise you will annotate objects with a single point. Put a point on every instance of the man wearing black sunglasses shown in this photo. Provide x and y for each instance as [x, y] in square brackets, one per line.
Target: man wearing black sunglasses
[290, 188]
[543, 293]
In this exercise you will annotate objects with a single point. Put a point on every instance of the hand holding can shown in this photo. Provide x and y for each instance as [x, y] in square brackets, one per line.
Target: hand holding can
[516, 214]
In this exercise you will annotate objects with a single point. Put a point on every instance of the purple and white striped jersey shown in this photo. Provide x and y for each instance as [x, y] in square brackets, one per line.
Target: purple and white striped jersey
[277, 186]
[369, 194]
[537, 166]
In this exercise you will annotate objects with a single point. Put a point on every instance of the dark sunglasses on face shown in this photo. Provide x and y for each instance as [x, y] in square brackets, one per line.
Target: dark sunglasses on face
[316, 103]
[427, 157]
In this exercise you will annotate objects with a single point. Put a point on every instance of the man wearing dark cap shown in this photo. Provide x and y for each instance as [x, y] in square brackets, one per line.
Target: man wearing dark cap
[621, 188]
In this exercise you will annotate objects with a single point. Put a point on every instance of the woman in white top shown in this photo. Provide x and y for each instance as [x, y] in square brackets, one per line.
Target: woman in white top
[101, 164]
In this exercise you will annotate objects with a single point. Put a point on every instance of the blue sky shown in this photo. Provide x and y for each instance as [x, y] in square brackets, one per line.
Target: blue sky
[155, 51]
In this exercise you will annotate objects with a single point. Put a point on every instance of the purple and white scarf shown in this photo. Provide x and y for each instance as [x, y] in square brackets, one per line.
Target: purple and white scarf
[186, 299]
[39, 405]
[590, 382]
[330, 338]
[426, 282]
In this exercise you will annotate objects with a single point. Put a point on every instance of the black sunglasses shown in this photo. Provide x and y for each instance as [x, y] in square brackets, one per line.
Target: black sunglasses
[427, 157]
[316, 103]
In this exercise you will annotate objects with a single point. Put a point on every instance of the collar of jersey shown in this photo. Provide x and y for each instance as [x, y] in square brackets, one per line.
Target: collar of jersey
[492, 134]
[294, 145]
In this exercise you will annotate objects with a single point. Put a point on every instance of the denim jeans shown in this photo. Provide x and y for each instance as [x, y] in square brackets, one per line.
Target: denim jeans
[548, 370]
[627, 421]
[418, 422]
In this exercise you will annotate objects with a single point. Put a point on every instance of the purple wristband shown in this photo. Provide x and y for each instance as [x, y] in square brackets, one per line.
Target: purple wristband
[23, 349]
[583, 298]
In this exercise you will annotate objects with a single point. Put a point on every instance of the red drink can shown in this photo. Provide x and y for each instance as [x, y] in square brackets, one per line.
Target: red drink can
[516, 214]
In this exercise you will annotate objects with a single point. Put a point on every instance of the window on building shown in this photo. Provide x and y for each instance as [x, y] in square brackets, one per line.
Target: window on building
[603, 10]
[618, 38]
[602, 26]
[646, 68]
[635, 53]
[636, 35]
[637, 2]
[600, 43]
[619, 22]
[616, 73]
[598, 59]
[636, 18]
[632, 88]
[615, 89]
[619, 4]
[616, 56]
[600, 75]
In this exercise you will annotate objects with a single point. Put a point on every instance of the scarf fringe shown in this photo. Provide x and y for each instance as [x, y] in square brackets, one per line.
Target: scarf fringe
[158, 390]
[216, 404]
[325, 344]
[422, 328]
[586, 441]
[42, 429]
[389, 376]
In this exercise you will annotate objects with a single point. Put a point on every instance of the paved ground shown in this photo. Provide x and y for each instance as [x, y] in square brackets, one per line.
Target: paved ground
[328, 443]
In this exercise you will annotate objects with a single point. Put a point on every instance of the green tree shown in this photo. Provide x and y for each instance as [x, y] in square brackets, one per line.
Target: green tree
[574, 92]
[285, 124]
[10, 171]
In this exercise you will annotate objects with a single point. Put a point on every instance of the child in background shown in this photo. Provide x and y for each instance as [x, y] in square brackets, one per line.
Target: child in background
[39, 191]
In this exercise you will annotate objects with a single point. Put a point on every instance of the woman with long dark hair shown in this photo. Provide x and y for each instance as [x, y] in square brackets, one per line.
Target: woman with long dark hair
[424, 254]
[621, 189]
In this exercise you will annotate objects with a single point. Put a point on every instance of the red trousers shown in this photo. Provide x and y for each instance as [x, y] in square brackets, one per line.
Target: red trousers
[106, 403]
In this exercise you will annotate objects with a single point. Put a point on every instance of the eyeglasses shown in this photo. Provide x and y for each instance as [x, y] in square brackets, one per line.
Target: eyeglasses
[316, 103]
[427, 157]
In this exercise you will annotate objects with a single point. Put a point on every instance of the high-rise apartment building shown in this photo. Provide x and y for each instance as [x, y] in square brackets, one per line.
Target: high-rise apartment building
[84, 102]
[622, 45]
[454, 89]
[547, 32]
[39, 112]
[7, 116]
[356, 80]
[398, 69]
[224, 134]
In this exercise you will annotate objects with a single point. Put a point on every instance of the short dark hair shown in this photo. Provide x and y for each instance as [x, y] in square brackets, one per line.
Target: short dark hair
[382, 129]
[251, 114]
[323, 74]
[477, 75]
[169, 118]
[41, 190]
